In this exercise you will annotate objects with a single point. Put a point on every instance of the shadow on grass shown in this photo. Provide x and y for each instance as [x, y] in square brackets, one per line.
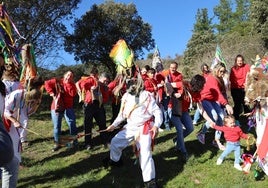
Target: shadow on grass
[168, 163]
[129, 175]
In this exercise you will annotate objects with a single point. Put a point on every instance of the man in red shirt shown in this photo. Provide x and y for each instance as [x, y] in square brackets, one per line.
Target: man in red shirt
[63, 92]
[94, 94]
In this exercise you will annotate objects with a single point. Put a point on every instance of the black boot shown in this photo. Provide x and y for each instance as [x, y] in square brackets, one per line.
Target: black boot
[150, 184]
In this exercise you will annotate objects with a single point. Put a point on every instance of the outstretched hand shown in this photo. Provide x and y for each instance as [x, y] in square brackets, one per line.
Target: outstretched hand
[110, 128]
[212, 124]
[229, 109]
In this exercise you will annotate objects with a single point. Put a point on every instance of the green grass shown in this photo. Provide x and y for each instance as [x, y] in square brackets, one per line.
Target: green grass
[80, 168]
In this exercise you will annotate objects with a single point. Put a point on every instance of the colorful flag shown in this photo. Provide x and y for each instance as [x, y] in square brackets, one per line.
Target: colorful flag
[122, 56]
[218, 57]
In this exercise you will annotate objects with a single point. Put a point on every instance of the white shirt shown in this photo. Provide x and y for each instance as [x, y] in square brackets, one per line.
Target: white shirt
[139, 110]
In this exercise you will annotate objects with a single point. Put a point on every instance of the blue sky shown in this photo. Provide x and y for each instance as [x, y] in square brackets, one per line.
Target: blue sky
[171, 20]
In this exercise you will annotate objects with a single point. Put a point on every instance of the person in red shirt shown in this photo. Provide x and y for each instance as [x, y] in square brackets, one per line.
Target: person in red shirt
[205, 71]
[63, 92]
[93, 95]
[173, 90]
[237, 79]
[150, 83]
[191, 93]
[214, 101]
[117, 88]
[232, 134]
[144, 71]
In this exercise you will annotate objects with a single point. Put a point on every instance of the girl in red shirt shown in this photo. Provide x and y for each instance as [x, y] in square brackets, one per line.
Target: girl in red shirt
[232, 134]
[237, 78]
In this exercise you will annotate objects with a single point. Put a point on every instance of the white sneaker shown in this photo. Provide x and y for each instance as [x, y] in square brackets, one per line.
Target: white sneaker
[219, 161]
[160, 130]
[238, 167]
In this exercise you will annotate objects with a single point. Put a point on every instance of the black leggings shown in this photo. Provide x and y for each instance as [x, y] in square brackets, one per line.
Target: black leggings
[238, 96]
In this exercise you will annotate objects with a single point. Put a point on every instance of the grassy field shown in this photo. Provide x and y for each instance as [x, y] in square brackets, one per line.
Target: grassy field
[76, 167]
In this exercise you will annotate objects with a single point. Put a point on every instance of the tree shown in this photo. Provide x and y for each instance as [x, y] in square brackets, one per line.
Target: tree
[233, 16]
[241, 18]
[202, 40]
[100, 28]
[259, 15]
[41, 22]
[224, 13]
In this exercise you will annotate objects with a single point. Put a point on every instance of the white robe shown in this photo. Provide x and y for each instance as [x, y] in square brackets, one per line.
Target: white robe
[137, 113]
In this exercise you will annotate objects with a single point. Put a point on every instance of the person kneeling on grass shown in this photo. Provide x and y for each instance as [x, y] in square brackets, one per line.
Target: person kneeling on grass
[232, 135]
[144, 117]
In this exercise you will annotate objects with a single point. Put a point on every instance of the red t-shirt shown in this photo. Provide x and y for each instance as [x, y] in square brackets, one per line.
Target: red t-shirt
[232, 134]
[69, 92]
[238, 76]
[212, 91]
[85, 83]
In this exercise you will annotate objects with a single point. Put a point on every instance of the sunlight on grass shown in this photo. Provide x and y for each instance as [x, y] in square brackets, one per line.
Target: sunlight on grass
[76, 167]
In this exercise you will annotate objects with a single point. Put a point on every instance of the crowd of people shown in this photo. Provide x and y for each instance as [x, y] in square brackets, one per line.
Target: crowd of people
[143, 103]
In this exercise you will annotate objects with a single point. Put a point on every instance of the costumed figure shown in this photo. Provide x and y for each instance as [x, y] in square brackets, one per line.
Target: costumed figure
[122, 56]
[256, 96]
[143, 117]
[19, 102]
[9, 164]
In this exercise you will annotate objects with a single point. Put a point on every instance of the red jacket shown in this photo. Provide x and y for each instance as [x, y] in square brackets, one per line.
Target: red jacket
[232, 134]
[150, 84]
[85, 84]
[212, 92]
[112, 85]
[189, 97]
[176, 78]
[104, 92]
[238, 76]
[68, 91]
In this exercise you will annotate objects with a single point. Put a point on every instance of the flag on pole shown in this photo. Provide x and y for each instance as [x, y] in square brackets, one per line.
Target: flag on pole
[157, 62]
[218, 57]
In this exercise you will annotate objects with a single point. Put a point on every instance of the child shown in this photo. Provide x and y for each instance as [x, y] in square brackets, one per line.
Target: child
[232, 135]
[150, 83]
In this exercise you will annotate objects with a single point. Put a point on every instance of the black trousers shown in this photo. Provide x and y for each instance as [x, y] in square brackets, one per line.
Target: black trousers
[238, 96]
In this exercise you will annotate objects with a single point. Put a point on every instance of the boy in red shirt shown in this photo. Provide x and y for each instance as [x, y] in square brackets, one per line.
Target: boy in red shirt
[150, 83]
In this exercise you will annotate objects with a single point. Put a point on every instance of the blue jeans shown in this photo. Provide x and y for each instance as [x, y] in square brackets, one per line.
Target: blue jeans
[232, 146]
[176, 121]
[216, 113]
[10, 173]
[196, 115]
[166, 110]
[188, 124]
[70, 118]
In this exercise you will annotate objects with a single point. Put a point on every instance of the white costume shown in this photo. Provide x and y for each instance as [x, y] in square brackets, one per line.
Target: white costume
[261, 117]
[10, 87]
[138, 111]
[15, 106]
